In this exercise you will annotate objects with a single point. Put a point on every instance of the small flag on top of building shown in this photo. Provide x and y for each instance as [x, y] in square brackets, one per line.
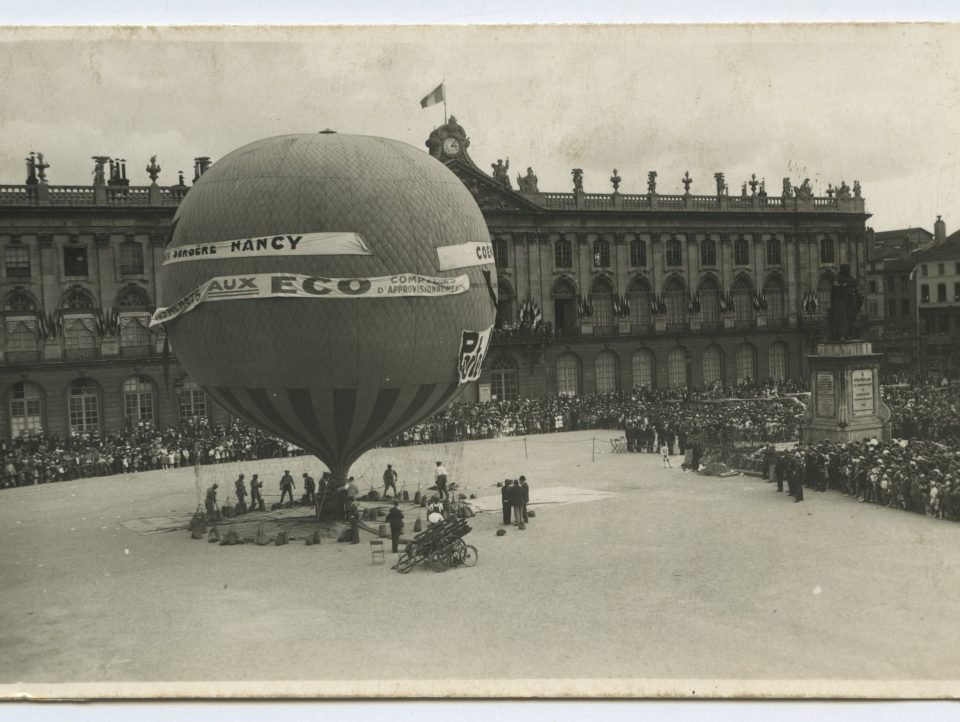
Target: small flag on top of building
[433, 97]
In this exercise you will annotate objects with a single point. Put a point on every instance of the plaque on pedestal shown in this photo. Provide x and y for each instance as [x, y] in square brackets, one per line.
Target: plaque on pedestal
[845, 403]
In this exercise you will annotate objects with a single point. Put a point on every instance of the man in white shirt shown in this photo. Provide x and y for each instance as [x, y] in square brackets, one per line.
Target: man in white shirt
[440, 477]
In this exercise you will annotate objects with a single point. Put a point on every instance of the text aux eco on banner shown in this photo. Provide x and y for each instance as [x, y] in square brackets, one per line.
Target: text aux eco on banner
[291, 285]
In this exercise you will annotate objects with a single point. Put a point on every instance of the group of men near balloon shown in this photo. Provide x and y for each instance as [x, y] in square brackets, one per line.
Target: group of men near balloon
[515, 495]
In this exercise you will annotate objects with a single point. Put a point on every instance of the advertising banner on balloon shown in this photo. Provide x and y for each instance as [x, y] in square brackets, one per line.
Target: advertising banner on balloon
[292, 285]
[473, 349]
[465, 255]
[284, 244]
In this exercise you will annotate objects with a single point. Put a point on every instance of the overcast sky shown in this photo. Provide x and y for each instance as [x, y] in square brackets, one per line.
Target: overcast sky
[832, 103]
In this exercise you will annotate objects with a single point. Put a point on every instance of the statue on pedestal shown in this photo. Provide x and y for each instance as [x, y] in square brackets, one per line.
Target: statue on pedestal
[99, 161]
[804, 191]
[615, 181]
[42, 168]
[844, 190]
[686, 180]
[787, 188]
[577, 174]
[856, 189]
[500, 172]
[719, 178]
[528, 183]
[753, 184]
[31, 169]
[652, 182]
[845, 303]
[153, 170]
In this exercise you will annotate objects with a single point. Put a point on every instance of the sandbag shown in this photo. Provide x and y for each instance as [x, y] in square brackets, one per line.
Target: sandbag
[227, 512]
[501, 532]
[373, 495]
[467, 512]
[316, 537]
[196, 534]
[383, 533]
[274, 506]
[261, 538]
[198, 522]
[344, 536]
[521, 525]
[405, 495]
[418, 525]
[417, 497]
[214, 535]
[423, 502]
[381, 513]
[531, 513]
[308, 541]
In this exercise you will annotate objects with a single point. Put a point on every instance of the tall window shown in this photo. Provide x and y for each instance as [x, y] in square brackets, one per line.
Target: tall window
[135, 336]
[17, 261]
[888, 284]
[138, 400]
[601, 253]
[638, 296]
[21, 346]
[710, 301]
[638, 253]
[503, 379]
[601, 299]
[677, 368]
[708, 252]
[75, 261]
[891, 308]
[674, 252]
[568, 375]
[742, 300]
[872, 286]
[741, 251]
[131, 259]
[79, 340]
[643, 369]
[675, 295]
[605, 369]
[193, 402]
[827, 250]
[777, 361]
[505, 314]
[563, 253]
[745, 364]
[941, 292]
[924, 293]
[84, 407]
[712, 365]
[776, 303]
[773, 252]
[26, 409]
[501, 252]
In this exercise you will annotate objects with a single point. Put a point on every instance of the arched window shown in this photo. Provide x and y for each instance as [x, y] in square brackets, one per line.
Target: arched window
[675, 295]
[638, 253]
[674, 252]
[677, 368]
[823, 293]
[76, 299]
[135, 339]
[501, 252]
[746, 364]
[564, 296]
[601, 299]
[130, 258]
[601, 253]
[138, 401]
[638, 297]
[505, 312]
[79, 339]
[773, 252]
[643, 369]
[605, 370]
[712, 365]
[776, 302]
[708, 252]
[503, 379]
[568, 375]
[84, 407]
[777, 361]
[827, 252]
[709, 302]
[742, 300]
[193, 403]
[21, 342]
[741, 251]
[563, 253]
[132, 296]
[19, 301]
[26, 409]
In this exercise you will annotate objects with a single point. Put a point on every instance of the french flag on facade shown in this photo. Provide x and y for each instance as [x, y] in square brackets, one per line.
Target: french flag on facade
[433, 97]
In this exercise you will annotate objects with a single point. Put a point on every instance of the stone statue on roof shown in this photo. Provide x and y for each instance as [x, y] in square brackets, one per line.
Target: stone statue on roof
[528, 183]
[500, 172]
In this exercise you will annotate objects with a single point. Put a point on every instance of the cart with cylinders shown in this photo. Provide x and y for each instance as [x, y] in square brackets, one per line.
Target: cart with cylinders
[441, 546]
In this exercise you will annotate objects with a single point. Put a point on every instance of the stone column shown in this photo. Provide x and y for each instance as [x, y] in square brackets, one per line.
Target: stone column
[792, 298]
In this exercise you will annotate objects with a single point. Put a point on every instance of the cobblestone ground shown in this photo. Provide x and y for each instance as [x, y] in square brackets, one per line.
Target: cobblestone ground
[672, 576]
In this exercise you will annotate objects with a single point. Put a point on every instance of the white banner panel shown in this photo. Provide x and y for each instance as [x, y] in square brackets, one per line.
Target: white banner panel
[292, 285]
[288, 244]
[465, 255]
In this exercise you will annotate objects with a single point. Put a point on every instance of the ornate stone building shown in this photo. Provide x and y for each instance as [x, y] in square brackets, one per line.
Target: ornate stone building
[598, 291]
[654, 289]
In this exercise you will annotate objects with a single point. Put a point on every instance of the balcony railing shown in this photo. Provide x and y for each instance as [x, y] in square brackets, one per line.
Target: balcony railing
[21, 357]
[80, 354]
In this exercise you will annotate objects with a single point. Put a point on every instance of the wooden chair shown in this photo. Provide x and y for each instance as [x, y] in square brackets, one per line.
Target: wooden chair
[377, 552]
[619, 446]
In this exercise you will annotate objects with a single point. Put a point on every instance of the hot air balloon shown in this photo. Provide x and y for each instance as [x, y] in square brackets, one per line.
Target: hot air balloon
[331, 289]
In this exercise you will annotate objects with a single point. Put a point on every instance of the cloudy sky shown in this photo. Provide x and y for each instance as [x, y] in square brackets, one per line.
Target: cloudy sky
[832, 103]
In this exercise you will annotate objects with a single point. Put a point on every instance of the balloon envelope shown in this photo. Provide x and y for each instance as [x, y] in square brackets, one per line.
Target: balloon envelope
[304, 289]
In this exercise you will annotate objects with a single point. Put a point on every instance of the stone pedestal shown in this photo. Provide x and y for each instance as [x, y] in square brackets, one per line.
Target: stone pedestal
[586, 328]
[845, 403]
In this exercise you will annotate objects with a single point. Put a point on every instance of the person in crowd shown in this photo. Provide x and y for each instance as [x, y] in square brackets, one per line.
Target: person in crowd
[665, 455]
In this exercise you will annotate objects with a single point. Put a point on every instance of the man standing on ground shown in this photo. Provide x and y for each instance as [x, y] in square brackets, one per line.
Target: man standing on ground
[309, 489]
[395, 518]
[241, 494]
[524, 497]
[389, 479]
[286, 486]
[440, 476]
[516, 501]
[351, 492]
[256, 499]
[211, 501]
[505, 496]
[353, 514]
